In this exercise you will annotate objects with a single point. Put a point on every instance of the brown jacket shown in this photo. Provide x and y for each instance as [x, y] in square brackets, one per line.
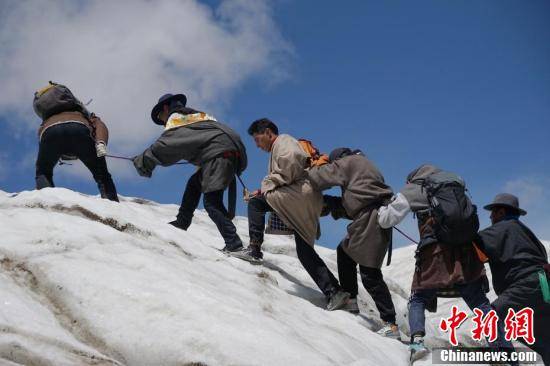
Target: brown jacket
[288, 190]
[98, 129]
[438, 266]
[442, 266]
[363, 191]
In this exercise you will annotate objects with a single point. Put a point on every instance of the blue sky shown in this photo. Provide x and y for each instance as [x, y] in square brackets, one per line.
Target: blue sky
[464, 85]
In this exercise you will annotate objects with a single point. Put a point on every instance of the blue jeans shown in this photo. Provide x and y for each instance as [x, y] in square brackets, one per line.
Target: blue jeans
[473, 296]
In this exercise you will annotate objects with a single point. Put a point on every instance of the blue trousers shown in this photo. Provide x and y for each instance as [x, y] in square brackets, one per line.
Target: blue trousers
[472, 294]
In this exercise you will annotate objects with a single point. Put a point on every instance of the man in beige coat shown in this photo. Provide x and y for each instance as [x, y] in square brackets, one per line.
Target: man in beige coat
[287, 191]
[366, 243]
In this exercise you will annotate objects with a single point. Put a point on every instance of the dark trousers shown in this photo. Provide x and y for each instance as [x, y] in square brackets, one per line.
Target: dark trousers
[373, 281]
[473, 295]
[213, 204]
[72, 139]
[310, 260]
[527, 293]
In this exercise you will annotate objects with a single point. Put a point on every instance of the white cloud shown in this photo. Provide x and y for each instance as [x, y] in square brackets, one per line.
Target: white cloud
[530, 191]
[125, 54]
[4, 170]
[534, 197]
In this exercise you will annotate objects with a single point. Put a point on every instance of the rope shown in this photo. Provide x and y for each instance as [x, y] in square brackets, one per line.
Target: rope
[242, 183]
[130, 159]
[182, 163]
[405, 235]
[119, 157]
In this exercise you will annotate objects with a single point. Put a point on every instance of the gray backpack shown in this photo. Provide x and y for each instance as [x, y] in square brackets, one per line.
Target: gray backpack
[455, 217]
[54, 99]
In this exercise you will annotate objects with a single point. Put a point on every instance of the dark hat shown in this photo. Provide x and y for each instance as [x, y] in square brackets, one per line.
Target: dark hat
[342, 152]
[165, 99]
[339, 153]
[506, 200]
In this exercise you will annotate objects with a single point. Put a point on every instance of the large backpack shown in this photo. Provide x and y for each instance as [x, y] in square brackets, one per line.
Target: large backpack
[56, 98]
[455, 217]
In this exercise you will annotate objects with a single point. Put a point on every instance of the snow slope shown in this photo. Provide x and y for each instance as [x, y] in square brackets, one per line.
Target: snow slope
[85, 281]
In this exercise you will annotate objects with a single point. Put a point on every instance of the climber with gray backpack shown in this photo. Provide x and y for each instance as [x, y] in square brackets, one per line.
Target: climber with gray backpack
[447, 262]
[68, 132]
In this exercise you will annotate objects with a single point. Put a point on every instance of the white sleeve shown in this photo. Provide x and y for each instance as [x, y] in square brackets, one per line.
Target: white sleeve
[394, 213]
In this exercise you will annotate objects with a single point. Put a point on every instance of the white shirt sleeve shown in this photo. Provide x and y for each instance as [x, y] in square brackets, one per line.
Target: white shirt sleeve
[394, 213]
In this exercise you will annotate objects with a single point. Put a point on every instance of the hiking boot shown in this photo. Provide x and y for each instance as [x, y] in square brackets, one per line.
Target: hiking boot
[251, 254]
[107, 189]
[43, 182]
[351, 306]
[417, 349]
[233, 249]
[180, 225]
[337, 300]
[390, 330]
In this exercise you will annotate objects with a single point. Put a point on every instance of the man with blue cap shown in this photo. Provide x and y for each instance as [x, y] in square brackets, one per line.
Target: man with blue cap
[213, 147]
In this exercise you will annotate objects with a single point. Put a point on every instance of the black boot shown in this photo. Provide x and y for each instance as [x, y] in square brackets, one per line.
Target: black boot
[180, 224]
[255, 251]
[337, 300]
[107, 190]
[252, 254]
[43, 182]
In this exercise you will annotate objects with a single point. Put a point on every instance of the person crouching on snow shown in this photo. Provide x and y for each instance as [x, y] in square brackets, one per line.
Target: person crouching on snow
[366, 243]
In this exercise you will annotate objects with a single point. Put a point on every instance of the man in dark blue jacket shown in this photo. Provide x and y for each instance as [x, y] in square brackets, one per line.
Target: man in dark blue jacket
[519, 265]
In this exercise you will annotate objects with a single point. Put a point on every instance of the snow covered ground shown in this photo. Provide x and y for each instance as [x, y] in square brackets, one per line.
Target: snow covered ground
[85, 281]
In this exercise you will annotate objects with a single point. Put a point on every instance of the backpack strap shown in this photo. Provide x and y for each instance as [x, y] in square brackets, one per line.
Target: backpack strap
[40, 92]
[232, 199]
[390, 247]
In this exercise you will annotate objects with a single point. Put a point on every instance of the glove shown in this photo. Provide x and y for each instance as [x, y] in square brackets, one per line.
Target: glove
[101, 149]
[339, 213]
[333, 205]
[249, 195]
[325, 210]
[142, 169]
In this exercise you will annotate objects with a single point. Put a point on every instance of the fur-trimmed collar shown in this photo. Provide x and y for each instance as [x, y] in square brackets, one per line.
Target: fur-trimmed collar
[178, 119]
